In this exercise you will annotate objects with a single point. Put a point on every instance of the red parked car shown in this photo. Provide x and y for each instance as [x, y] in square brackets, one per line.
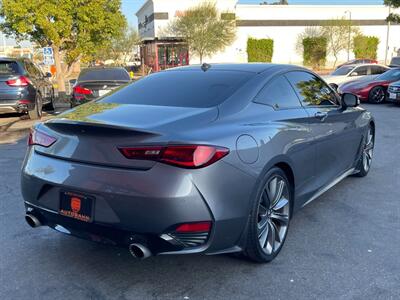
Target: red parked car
[374, 89]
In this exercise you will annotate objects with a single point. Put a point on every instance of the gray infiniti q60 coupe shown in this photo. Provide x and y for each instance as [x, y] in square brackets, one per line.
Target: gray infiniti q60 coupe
[201, 159]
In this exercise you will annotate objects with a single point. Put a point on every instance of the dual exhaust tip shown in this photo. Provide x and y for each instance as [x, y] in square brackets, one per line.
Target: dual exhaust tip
[137, 250]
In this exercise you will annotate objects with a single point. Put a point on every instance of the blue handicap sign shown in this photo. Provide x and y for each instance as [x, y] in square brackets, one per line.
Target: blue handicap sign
[48, 51]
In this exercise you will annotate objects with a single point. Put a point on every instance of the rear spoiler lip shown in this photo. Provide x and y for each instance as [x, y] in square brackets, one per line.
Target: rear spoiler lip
[62, 121]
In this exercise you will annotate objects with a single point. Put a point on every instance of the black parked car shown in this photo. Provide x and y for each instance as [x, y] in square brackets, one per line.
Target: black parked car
[24, 88]
[93, 83]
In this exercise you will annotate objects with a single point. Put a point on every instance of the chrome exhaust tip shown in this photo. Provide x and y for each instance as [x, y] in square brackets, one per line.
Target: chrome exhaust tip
[139, 251]
[32, 221]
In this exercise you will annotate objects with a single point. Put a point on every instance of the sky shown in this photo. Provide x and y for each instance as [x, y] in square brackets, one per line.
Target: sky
[130, 7]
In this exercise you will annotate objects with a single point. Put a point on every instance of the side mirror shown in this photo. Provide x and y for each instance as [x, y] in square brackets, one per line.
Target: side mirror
[353, 74]
[350, 100]
[48, 75]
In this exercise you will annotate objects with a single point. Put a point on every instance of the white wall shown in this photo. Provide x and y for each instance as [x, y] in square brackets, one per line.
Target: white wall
[284, 37]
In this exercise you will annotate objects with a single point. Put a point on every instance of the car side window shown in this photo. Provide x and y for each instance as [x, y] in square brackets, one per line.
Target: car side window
[361, 71]
[376, 70]
[311, 90]
[279, 94]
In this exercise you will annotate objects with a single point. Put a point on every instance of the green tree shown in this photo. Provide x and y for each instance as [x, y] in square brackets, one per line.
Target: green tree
[395, 18]
[73, 28]
[314, 53]
[205, 29]
[260, 50]
[121, 46]
[309, 32]
[338, 33]
[366, 46]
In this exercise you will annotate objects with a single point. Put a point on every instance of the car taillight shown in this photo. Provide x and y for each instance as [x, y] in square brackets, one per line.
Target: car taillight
[20, 81]
[37, 137]
[188, 156]
[81, 90]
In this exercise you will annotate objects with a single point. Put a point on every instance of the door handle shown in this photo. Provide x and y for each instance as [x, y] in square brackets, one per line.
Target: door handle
[320, 115]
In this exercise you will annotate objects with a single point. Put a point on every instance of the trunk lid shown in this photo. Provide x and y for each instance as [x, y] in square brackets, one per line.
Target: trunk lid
[100, 88]
[92, 133]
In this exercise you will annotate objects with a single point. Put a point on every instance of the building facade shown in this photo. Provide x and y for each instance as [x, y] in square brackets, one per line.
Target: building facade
[282, 23]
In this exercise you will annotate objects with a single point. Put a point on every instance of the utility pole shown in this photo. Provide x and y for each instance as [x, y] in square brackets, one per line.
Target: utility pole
[349, 39]
[387, 38]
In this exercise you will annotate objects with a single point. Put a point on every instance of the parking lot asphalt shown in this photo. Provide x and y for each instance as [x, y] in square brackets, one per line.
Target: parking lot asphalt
[343, 245]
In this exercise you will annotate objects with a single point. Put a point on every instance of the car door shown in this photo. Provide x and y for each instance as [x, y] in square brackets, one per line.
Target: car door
[336, 135]
[292, 137]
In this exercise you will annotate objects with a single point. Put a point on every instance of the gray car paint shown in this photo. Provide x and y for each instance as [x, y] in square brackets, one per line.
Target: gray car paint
[149, 197]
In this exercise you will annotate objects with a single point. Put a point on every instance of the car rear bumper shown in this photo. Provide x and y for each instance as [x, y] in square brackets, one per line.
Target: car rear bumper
[143, 205]
[394, 100]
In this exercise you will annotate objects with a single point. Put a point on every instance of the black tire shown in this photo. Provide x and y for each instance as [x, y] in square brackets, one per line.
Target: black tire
[364, 163]
[265, 243]
[36, 112]
[377, 95]
[50, 105]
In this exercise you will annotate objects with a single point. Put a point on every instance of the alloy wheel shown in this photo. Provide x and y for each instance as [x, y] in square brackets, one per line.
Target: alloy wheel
[273, 214]
[368, 150]
[378, 95]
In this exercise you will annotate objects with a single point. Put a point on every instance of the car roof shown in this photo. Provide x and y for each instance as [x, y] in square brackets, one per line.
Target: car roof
[240, 67]
[11, 59]
[364, 65]
[101, 68]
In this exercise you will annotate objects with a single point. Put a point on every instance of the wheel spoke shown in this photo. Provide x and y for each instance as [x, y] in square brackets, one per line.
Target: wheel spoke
[271, 189]
[280, 204]
[263, 233]
[276, 230]
[281, 218]
[276, 189]
[271, 238]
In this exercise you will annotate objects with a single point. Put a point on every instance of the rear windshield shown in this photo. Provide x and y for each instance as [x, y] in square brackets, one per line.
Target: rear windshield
[343, 70]
[182, 88]
[103, 74]
[8, 67]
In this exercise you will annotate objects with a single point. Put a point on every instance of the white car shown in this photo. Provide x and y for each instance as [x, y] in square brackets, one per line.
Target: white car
[354, 72]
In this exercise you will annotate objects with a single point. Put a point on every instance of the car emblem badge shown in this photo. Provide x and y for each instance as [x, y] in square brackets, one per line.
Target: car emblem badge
[75, 204]
[105, 86]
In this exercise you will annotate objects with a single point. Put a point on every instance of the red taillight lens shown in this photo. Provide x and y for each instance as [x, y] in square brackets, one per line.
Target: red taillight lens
[39, 138]
[21, 81]
[81, 90]
[188, 156]
[194, 227]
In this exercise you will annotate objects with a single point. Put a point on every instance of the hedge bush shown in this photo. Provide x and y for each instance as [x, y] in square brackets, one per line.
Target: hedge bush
[314, 53]
[365, 46]
[260, 50]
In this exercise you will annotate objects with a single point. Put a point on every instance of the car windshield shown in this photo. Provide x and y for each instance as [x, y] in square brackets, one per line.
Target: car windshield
[343, 71]
[391, 75]
[181, 88]
[395, 61]
[8, 67]
[116, 74]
